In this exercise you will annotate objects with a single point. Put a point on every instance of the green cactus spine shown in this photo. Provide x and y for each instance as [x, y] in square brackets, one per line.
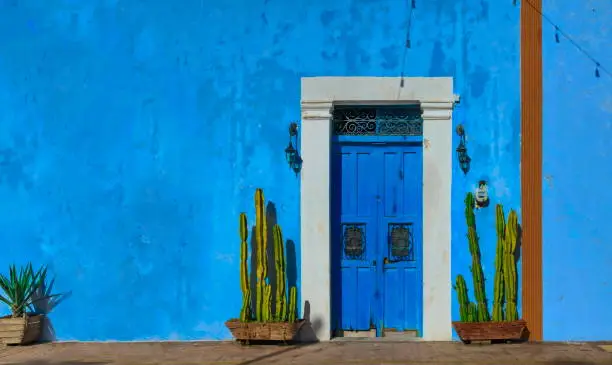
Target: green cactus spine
[261, 241]
[464, 301]
[281, 292]
[245, 313]
[477, 275]
[498, 285]
[292, 315]
[510, 266]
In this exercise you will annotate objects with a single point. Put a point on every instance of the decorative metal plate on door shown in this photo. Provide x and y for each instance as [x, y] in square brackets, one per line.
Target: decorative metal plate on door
[354, 241]
[378, 121]
[401, 242]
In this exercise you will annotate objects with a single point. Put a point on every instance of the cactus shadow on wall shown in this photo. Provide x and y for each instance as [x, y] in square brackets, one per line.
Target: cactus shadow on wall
[517, 253]
[291, 263]
[271, 221]
[519, 243]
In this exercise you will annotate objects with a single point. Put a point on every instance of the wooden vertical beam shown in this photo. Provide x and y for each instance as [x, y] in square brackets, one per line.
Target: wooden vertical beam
[531, 165]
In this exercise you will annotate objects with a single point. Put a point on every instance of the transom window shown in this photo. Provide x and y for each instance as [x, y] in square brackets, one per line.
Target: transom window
[377, 121]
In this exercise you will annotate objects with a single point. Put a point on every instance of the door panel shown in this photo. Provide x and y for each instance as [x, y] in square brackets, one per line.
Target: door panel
[358, 236]
[400, 238]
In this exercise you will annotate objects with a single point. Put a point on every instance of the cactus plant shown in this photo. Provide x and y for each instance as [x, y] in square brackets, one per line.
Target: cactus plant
[510, 280]
[292, 310]
[279, 258]
[477, 275]
[267, 306]
[261, 241]
[462, 295]
[505, 282]
[498, 285]
[245, 313]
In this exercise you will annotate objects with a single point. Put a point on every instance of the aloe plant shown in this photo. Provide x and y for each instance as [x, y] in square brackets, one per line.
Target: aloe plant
[20, 288]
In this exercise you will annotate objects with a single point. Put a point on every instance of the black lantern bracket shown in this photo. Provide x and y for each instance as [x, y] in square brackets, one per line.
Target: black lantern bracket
[462, 154]
[292, 155]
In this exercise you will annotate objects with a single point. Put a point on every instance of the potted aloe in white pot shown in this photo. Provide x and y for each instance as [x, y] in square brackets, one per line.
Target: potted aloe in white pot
[20, 291]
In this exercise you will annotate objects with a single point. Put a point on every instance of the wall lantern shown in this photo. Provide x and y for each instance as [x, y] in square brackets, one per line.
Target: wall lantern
[291, 153]
[482, 195]
[462, 156]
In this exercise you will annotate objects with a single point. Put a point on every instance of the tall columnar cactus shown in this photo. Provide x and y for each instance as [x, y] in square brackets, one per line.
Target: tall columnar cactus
[245, 313]
[267, 303]
[510, 266]
[498, 286]
[477, 275]
[281, 291]
[266, 309]
[464, 300]
[292, 315]
[261, 241]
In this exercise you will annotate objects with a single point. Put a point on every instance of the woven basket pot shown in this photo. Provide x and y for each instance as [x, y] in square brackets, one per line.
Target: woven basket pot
[22, 330]
[491, 331]
[264, 331]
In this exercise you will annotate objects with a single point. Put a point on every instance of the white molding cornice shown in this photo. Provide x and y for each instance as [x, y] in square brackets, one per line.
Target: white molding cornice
[432, 110]
[434, 94]
[316, 110]
[437, 110]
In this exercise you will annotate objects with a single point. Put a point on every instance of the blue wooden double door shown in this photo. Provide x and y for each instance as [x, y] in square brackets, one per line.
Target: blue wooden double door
[377, 237]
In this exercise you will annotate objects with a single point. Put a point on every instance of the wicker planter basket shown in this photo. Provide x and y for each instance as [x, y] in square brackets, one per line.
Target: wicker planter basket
[22, 330]
[260, 331]
[491, 331]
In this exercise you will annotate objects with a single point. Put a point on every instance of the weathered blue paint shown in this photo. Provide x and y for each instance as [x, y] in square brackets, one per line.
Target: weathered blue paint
[377, 187]
[577, 170]
[132, 135]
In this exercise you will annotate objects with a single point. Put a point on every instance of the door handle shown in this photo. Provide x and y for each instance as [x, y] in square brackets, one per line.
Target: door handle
[374, 263]
[386, 261]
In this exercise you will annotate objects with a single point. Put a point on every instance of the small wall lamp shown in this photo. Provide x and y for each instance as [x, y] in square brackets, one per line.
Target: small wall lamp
[291, 153]
[482, 195]
[462, 155]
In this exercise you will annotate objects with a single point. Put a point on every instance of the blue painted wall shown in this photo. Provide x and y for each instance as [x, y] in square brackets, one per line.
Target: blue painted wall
[577, 172]
[133, 133]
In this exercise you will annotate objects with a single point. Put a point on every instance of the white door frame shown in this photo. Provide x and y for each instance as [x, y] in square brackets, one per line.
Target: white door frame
[319, 95]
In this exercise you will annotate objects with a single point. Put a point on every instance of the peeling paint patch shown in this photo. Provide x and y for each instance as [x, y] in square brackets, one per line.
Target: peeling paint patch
[227, 258]
[549, 180]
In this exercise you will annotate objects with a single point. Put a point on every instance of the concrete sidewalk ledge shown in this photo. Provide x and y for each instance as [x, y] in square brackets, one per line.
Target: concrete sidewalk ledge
[358, 352]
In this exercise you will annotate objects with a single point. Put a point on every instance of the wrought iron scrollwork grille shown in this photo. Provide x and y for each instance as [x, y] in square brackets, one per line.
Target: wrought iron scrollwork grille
[401, 242]
[381, 121]
[354, 241]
